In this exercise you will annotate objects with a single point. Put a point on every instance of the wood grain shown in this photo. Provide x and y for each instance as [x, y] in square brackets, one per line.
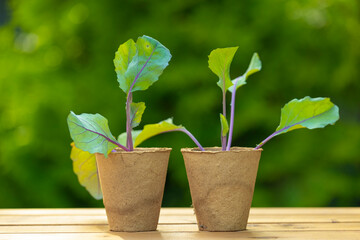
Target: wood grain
[180, 223]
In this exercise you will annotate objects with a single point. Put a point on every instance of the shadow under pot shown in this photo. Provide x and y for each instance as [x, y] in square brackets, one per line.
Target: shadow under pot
[133, 185]
[222, 186]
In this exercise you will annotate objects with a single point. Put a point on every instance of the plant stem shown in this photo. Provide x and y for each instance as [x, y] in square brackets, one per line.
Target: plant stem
[266, 139]
[129, 141]
[128, 102]
[279, 131]
[184, 130]
[223, 138]
[119, 145]
[223, 143]
[231, 129]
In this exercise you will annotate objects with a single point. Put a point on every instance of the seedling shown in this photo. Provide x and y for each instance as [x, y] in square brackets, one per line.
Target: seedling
[138, 65]
[304, 113]
[213, 171]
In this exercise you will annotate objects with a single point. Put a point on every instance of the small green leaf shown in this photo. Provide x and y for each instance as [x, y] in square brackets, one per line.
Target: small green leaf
[84, 165]
[219, 62]
[91, 133]
[123, 137]
[136, 112]
[254, 66]
[142, 62]
[307, 113]
[224, 125]
[151, 130]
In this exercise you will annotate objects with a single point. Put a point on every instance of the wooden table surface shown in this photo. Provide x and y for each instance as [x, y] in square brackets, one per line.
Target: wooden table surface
[180, 223]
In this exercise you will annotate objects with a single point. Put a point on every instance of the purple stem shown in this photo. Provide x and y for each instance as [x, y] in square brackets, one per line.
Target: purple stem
[279, 131]
[232, 116]
[268, 138]
[223, 138]
[184, 130]
[128, 102]
[223, 142]
[129, 142]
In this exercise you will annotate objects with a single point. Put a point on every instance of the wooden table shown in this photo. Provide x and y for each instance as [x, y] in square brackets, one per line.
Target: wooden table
[180, 223]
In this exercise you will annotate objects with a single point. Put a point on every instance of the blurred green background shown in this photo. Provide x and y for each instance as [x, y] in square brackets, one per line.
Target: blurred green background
[56, 56]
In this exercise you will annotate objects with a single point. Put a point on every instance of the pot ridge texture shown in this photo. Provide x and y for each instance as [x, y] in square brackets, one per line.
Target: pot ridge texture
[222, 185]
[133, 185]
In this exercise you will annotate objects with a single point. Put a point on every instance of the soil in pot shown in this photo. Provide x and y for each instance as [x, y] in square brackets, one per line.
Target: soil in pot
[221, 185]
[133, 185]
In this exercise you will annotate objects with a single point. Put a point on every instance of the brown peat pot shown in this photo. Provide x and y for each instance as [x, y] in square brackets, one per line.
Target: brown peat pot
[222, 186]
[133, 185]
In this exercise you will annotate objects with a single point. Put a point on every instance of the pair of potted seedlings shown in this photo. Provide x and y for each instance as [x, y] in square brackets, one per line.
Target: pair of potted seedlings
[131, 180]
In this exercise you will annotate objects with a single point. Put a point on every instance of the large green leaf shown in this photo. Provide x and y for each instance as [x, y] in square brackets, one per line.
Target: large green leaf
[307, 113]
[224, 125]
[151, 130]
[136, 112]
[91, 133]
[254, 66]
[219, 62]
[141, 62]
[123, 137]
[84, 165]
[123, 58]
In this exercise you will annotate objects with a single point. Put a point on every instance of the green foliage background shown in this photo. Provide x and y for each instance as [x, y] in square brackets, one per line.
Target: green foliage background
[56, 56]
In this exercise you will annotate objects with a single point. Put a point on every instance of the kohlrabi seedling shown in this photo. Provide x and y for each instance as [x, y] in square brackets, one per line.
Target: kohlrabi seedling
[138, 65]
[304, 113]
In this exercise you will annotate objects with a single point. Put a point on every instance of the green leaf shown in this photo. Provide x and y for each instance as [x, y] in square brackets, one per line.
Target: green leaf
[254, 66]
[142, 62]
[136, 112]
[151, 130]
[307, 113]
[219, 62]
[123, 57]
[84, 165]
[123, 137]
[91, 133]
[224, 125]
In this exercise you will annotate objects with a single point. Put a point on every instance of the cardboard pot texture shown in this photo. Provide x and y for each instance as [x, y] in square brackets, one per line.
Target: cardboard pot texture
[222, 186]
[133, 185]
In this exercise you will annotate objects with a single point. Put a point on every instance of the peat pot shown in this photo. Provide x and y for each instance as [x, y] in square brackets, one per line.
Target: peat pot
[221, 185]
[133, 185]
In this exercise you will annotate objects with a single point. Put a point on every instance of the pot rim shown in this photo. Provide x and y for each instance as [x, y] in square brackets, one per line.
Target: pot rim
[140, 150]
[213, 150]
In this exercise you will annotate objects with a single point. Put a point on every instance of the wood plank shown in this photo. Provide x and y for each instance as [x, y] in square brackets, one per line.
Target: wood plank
[53, 211]
[179, 228]
[311, 218]
[71, 220]
[51, 220]
[181, 219]
[180, 223]
[302, 211]
[181, 211]
[354, 235]
[84, 211]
